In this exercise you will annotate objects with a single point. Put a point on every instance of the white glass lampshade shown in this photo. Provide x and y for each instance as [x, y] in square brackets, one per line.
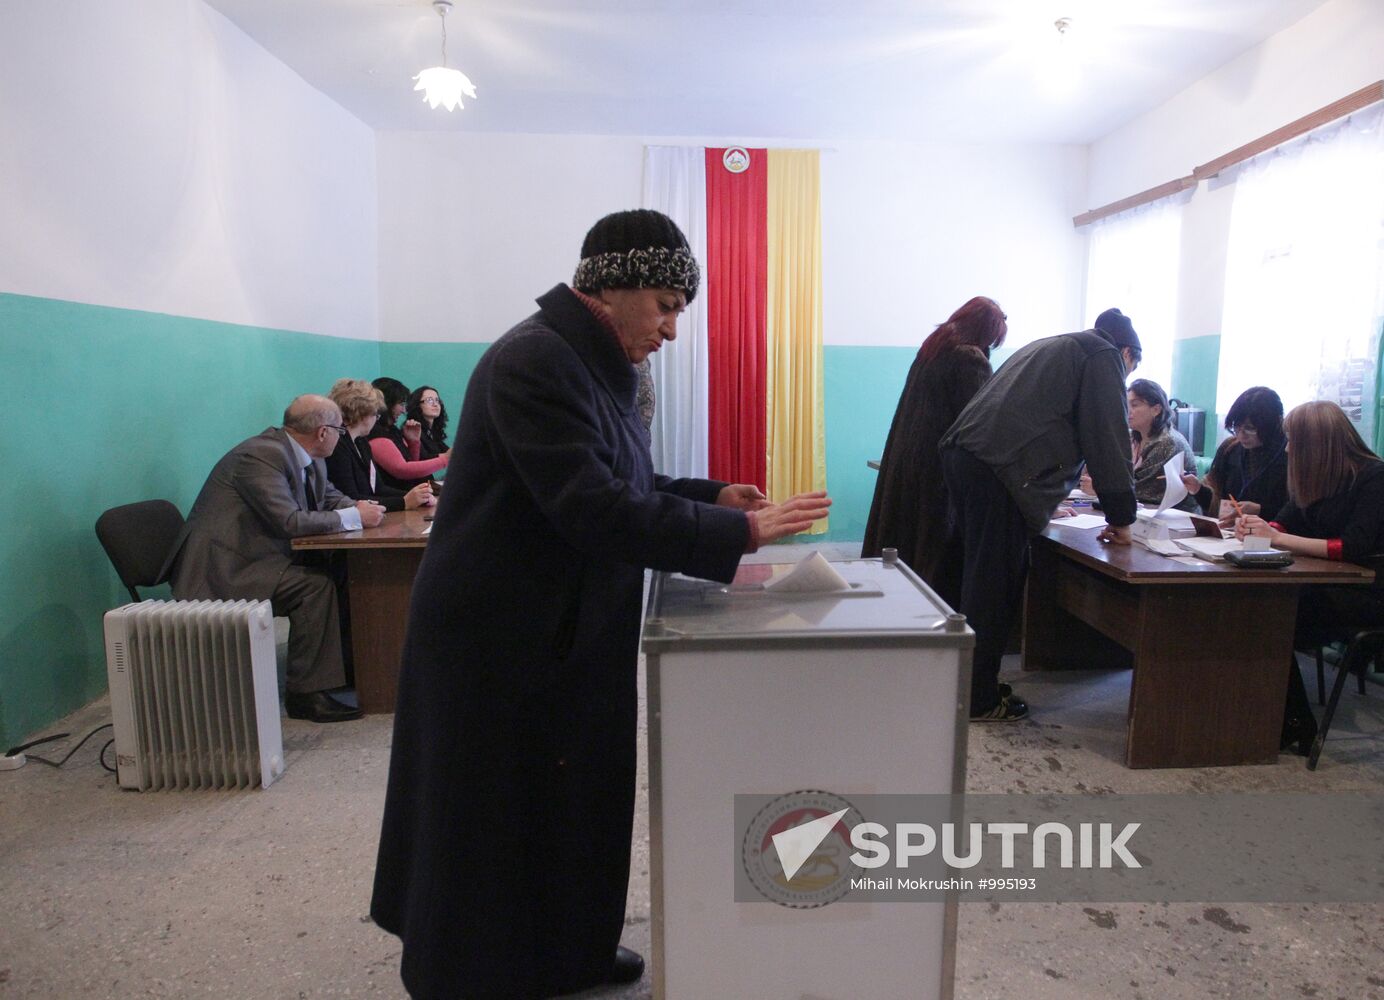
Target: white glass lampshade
[443, 85]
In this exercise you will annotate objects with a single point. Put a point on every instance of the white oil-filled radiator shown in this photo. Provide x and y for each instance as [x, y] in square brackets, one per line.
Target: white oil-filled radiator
[194, 694]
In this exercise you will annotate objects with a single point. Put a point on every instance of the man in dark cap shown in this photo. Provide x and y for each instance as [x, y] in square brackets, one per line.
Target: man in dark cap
[1013, 455]
[504, 854]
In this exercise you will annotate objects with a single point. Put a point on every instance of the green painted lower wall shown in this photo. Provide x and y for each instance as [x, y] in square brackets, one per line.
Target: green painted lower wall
[1196, 364]
[862, 386]
[116, 406]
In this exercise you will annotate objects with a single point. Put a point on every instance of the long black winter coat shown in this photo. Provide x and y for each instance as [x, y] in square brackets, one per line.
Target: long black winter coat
[909, 511]
[504, 854]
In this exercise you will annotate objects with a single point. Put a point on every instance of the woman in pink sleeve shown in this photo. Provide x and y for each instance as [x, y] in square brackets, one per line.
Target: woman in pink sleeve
[397, 452]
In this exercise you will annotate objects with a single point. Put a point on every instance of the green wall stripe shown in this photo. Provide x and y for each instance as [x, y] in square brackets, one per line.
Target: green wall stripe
[117, 406]
[862, 386]
[1196, 365]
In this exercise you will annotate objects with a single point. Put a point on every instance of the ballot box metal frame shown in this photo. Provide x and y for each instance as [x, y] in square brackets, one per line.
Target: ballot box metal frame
[949, 632]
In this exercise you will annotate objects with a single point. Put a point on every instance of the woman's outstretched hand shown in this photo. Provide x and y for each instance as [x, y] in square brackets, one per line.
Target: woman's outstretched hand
[795, 514]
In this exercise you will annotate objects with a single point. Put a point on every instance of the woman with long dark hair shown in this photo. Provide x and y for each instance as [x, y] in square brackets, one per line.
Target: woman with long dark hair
[425, 407]
[1251, 465]
[1155, 441]
[398, 452]
[1335, 510]
[909, 512]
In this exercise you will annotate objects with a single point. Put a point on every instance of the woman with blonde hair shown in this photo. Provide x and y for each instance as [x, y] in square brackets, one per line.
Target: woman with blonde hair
[1335, 510]
[351, 467]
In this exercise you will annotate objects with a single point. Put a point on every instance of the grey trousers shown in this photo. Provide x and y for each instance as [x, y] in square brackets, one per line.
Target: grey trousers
[306, 595]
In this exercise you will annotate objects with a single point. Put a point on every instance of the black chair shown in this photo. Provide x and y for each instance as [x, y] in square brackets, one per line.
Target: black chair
[138, 538]
[1364, 646]
[1321, 675]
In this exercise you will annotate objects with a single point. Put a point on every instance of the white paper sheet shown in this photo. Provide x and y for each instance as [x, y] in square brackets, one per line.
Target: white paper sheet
[1163, 546]
[1080, 521]
[812, 575]
[1213, 549]
[1173, 490]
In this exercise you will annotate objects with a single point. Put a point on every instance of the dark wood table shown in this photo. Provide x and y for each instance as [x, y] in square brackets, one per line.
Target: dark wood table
[1209, 643]
[381, 563]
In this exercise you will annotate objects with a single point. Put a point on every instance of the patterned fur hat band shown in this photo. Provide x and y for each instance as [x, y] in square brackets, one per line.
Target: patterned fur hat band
[655, 267]
[640, 248]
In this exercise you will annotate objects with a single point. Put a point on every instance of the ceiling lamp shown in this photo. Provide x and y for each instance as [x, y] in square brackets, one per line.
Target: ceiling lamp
[440, 84]
[1061, 70]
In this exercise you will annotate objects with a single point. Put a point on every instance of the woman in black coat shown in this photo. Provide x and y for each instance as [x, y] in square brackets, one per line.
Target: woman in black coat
[1335, 510]
[425, 408]
[504, 853]
[909, 511]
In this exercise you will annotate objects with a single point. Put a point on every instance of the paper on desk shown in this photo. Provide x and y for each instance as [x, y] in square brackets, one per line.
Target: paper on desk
[812, 575]
[1163, 546]
[427, 530]
[1173, 490]
[1080, 521]
[1212, 549]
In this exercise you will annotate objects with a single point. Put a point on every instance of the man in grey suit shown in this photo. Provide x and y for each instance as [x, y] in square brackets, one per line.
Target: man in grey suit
[237, 544]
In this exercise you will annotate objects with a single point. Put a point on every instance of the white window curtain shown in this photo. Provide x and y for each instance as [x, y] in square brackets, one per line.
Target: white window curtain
[1303, 271]
[1132, 265]
[675, 184]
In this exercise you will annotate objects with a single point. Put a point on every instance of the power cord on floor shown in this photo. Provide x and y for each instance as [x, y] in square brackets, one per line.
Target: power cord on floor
[14, 751]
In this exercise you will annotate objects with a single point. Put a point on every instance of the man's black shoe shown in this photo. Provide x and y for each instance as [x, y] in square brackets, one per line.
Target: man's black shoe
[628, 967]
[318, 706]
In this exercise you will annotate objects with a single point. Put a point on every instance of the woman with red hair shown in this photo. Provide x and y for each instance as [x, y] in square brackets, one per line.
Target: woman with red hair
[909, 512]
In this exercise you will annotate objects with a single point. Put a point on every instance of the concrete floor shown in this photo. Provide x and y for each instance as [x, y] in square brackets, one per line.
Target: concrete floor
[265, 893]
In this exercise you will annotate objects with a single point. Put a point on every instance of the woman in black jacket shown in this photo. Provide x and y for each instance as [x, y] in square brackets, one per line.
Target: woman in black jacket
[1251, 465]
[1335, 510]
[909, 512]
[351, 467]
[425, 407]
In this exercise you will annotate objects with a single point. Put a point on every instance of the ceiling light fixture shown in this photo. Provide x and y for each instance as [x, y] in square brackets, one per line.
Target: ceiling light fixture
[1061, 70]
[440, 84]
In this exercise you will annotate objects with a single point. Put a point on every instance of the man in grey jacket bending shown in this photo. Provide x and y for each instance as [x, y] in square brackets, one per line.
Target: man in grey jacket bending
[1013, 455]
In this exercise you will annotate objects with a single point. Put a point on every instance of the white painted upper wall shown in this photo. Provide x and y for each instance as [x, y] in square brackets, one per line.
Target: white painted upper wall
[474, 226]
[1335, 50]
[155, 158]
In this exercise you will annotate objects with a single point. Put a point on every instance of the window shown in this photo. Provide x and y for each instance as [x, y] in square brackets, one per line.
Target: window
[1303, 268]
[1132, 265]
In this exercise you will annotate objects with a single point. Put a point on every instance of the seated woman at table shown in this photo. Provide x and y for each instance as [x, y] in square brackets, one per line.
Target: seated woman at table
[351, 467]
[1252, 464]
[397, 452]
[1335, 510]
[1155, 442]
[425, 408]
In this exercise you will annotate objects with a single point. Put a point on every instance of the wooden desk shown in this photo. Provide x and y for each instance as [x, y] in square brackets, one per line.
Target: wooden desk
[381, 563]
[1209, 644]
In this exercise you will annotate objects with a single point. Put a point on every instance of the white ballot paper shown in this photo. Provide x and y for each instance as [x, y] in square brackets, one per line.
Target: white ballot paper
[812, 575]
[1080, 521]
[1173, 490]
